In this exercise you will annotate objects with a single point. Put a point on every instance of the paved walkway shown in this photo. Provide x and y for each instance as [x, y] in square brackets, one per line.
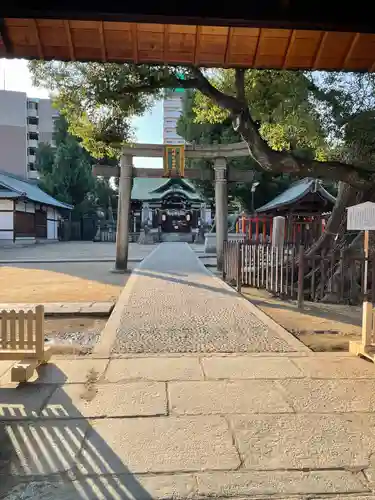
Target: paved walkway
[70, 251]
[173, 304]
[141, 424]
[64, 308]
[294, 426]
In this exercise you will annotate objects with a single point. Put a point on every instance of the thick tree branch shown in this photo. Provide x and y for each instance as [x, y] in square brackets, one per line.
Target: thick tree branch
[277, 162]
[267, 159]
[240, 84]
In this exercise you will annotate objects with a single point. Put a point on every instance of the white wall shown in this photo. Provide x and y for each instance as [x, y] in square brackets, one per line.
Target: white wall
[52, 223]
[25, 206]
[13, 108]
[6, 220]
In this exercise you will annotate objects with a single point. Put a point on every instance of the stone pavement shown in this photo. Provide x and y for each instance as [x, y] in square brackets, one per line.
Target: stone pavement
[249, 426]
[173, 304]
[80, 251]
[250, 414]
[64, 308]
[70, 251]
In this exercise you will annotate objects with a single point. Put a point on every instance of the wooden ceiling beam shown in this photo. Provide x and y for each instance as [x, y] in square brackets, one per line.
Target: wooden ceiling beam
[196, 47]
[70, 41]
[306, 50]
[291, 39]
[38, 42]
[227, 47]
[135, 42]
[257, 48]
[102, 41]
[280, 14]
[165, 43]
[349, 54]
[319, 50]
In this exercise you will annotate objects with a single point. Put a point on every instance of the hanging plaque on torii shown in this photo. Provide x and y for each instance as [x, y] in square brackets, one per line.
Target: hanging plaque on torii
[174, 161]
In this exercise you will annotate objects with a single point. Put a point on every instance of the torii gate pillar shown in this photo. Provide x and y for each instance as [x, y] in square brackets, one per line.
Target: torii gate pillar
[221, 209]
[123, 213]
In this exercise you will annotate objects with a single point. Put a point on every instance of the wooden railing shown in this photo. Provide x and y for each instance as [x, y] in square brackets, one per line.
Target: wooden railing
[22, 339]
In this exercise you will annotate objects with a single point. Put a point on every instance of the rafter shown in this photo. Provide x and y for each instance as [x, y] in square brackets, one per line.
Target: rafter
[351, 49]
[70, 41]
[102, 41]
[37, 37]
[196, 46]
[165, 43]
[257, 48]
[134, 42]
[291, 39]
[227, 47]
[319, 50]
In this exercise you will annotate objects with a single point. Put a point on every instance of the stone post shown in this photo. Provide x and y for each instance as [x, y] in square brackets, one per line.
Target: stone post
[123, 213]
[145, 212]
[221, 209]
[278, 231]
[203, 213]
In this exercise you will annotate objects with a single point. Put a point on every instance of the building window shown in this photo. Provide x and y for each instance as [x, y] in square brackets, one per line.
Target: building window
[31, 151]
[32, 105]
[33, 136]
[32, 120]
[31, 167]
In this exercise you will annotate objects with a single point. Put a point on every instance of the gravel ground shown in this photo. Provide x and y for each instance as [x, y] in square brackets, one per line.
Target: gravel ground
[83, 331]
[176, 306]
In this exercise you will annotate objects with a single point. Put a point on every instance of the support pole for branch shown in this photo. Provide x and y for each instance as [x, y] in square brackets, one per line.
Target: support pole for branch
[239, 266]
[367, 306]
[301, 275]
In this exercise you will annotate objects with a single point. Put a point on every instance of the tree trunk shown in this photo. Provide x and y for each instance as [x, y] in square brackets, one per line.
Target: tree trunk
[336, 225]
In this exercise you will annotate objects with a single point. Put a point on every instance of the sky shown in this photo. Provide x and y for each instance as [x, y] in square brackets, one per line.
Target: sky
[14, 75]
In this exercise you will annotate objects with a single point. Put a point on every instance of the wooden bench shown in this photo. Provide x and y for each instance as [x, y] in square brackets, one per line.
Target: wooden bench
[22, 340]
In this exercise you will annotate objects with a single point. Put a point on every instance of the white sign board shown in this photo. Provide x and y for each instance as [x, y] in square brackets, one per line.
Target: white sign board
[361, 217]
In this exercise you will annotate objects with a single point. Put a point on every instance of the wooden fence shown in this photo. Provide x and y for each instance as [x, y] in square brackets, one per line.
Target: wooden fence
[22, 340]
[286, 272]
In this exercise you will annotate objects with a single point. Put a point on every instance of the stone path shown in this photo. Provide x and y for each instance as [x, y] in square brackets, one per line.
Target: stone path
[64, 308]
[173, 304]
[281, 426]
[275, 422]
[70, 251]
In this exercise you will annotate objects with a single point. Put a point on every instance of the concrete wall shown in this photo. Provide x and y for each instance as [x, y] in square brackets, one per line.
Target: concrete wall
[46, 114]
[13, 132]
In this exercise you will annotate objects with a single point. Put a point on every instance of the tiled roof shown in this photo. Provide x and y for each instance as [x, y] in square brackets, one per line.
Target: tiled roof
[145, 188]
[17, 187]
[296, 191]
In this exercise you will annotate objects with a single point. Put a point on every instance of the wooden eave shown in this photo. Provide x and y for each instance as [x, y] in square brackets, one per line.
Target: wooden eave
[186, 44]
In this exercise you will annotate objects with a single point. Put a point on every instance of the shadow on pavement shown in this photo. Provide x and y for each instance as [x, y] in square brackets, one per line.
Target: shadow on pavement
[59, 446]
[169, 277]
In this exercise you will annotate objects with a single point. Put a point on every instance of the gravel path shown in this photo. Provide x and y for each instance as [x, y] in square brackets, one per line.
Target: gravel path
[175, 305]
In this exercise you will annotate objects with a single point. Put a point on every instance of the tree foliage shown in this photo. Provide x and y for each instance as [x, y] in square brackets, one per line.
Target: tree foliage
[278, 114]
[281, 103]
[194, 130]
[94, 99]
[66, 174]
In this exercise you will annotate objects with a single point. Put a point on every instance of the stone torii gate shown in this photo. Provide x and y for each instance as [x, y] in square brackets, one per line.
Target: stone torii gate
[220, 173]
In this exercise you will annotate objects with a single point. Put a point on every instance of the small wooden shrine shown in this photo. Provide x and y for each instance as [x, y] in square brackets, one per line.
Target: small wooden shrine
[306, 206]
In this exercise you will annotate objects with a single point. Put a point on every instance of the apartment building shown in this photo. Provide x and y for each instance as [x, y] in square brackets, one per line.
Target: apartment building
[24, 123]
[172, 109]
